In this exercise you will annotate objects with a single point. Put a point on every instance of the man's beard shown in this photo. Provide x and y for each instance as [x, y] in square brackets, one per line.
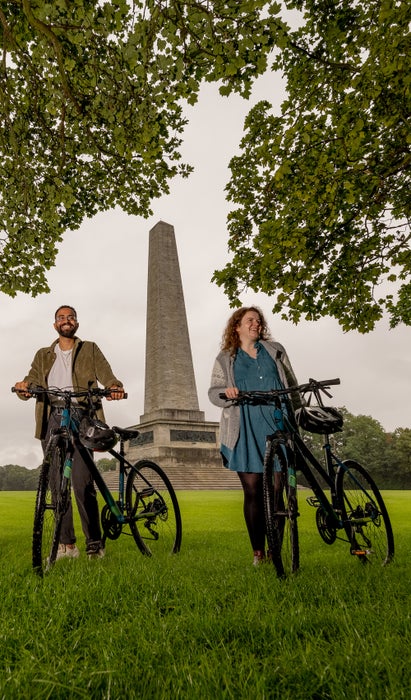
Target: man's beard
[67, 332]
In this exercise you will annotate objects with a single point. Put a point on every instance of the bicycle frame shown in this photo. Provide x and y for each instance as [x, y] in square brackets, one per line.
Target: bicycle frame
[69, 428]
[146, 500]
[354, 504]
[308, 465]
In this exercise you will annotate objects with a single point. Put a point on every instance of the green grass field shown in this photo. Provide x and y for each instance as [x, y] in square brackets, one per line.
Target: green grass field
[204, 624]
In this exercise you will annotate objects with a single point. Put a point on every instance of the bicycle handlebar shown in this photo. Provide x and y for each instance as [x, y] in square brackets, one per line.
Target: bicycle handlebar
[65, 393]
[272, 394]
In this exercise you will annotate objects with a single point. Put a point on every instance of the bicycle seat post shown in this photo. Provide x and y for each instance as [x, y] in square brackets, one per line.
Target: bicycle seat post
[121, 451]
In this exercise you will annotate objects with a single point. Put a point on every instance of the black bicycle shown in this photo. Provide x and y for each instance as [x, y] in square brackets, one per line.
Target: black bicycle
[146, 502]
[353, 512]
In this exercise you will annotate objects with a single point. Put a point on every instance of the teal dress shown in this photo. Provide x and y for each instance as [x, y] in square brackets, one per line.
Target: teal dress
[256, 422]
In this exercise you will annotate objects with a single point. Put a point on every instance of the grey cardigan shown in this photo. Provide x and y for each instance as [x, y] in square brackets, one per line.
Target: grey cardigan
[223, 376]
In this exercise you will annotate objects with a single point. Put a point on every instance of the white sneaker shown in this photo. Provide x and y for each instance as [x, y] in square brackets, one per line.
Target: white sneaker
[95, 550]
[71, 551]
[97, 555]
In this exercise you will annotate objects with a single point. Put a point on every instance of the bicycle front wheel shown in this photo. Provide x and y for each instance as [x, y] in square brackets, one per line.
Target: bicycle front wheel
[49, 509]
[153, 510]
[281, 510]
[364, 514]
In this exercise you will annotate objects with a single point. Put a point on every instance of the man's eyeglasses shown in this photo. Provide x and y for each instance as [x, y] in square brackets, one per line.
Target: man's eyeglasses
[70, 317]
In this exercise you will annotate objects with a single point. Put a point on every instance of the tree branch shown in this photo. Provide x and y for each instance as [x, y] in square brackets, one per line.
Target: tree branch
[46, 30]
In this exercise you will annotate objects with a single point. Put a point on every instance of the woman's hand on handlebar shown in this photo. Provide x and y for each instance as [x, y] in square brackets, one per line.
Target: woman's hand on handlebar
[231, 392]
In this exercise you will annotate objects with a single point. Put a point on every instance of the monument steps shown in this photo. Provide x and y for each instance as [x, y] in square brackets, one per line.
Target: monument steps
[190, 478]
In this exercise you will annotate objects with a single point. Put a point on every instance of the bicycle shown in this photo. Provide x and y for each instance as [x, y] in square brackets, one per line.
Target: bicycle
[146, 500]
[354, 507]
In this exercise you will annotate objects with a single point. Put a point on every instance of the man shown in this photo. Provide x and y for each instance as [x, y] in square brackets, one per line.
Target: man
[71, 363]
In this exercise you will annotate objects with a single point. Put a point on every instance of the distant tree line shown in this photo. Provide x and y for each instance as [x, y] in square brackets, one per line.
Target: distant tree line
[387, 456]
[15, 478]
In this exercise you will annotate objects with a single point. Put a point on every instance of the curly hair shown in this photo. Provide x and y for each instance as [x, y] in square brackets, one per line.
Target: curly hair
[231, 340]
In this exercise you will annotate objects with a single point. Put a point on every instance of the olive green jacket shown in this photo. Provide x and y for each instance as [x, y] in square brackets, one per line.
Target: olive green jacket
[89, 367]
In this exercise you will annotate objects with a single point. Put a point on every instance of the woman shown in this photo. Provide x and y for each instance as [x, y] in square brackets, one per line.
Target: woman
[249, 360]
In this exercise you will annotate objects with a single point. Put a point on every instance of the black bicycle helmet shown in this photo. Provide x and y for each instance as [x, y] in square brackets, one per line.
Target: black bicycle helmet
[319, 419]
[96, 435]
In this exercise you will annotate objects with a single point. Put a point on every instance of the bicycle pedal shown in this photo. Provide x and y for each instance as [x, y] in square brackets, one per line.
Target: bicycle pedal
[313, 501]
[147, 492]
[361, 552]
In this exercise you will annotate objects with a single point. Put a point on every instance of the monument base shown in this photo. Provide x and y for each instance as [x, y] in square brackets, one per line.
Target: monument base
[185, 446]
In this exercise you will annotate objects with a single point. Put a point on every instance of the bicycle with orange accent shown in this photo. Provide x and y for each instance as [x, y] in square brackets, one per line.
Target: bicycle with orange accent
[352, 510]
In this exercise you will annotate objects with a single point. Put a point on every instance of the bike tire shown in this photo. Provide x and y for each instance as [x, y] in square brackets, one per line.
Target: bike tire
[281, 511]
[152, 510]
[49, 511]
[366, 520]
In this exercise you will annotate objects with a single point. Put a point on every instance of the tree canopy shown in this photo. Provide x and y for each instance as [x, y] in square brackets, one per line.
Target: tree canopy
[91, 117]
[322, 190]
[91, 100]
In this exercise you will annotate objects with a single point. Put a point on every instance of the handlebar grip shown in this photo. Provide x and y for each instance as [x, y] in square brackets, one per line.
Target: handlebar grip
[106, 393]
[326, 382]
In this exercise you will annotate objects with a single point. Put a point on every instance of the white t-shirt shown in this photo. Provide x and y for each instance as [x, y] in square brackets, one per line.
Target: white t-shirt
[60, 375]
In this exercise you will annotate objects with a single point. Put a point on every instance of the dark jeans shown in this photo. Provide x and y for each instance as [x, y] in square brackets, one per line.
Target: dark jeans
[84, 492]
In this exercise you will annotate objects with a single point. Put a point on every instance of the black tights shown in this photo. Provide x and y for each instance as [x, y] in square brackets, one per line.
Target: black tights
[254, 508]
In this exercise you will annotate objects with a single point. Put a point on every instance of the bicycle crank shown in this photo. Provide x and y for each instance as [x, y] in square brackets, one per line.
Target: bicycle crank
[111, 527]
[327, 530]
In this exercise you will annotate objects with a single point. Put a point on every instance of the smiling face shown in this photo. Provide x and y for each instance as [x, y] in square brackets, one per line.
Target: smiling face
[249, 327]
[66, 322]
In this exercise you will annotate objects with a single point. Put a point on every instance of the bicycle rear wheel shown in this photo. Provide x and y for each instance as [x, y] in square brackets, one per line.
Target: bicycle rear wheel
[49, 509]
[153, 510]
[365, 516]
[281, 510]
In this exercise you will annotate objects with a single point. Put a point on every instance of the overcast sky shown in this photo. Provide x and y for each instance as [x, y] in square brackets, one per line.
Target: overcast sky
[102, 271]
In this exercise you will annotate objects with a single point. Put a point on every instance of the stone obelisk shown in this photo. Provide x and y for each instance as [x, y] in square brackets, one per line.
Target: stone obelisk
[173, 431]
[169, 376]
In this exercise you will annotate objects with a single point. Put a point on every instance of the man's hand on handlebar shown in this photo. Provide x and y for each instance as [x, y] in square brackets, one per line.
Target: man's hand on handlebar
[117, 393]
[21, 388]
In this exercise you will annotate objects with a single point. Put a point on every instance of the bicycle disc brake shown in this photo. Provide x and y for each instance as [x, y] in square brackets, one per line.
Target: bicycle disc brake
[111, 527]
[325, 527]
